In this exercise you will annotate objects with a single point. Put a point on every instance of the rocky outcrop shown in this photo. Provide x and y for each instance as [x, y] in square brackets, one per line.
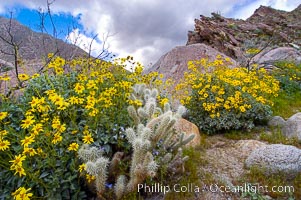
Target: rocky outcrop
[276, 158]
[275, 33]
[225, 162]
[231, 156]
[174, 63]
[266, 29]
[227, 158]
[290, 128]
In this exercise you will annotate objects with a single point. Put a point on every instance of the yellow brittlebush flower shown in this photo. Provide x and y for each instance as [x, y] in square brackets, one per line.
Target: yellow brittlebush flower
[22, 194]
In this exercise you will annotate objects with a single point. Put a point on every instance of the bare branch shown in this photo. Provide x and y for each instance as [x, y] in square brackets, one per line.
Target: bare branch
[49, 3]
[14, 47]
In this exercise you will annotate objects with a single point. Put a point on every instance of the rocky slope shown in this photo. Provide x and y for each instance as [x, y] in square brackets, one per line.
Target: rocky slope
[266, 27]
[32, 49]
[277, 34]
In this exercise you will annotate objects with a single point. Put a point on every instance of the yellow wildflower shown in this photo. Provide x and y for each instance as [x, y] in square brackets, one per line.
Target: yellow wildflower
[3, 133]
[242, 109]
[30, 151]
[82, 167]
[19, 169]
[90, 178]
[79, 88]
[50, 55]
[27, 141]
[87, 139]
[34, 102]
[40, 150]
[3, 115]
[35, 75]
[73, 146]
[18, 160]
[57, 138]
[37, 128]
[22, 194]
[27, 122]
[4, 144]
[23, 77]
[5, 78]
[73, 100]
[163, 101]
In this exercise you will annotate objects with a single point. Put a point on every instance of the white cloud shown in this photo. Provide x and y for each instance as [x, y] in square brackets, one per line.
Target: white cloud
[149, 28]
[89, 44]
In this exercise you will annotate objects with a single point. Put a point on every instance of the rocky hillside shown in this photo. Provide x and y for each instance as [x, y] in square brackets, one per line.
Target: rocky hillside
[32, 46]
[276, 34]
[232, 37]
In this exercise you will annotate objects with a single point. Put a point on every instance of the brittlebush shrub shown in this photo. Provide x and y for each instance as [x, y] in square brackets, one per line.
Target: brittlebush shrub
[72, 103]
[220, 98]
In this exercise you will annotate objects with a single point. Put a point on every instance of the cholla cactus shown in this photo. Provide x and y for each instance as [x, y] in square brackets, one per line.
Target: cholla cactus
[120, 186]
[176, 165]
[96, 165]
[154, 129]
[159, 122]
[87, 153]
[158, 128]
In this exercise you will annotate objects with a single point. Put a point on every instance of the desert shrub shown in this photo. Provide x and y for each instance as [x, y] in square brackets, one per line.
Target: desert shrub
[220, 98]
[72, 103]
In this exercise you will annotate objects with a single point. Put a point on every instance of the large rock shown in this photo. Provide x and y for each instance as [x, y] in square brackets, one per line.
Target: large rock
[174, 63]
[292, 127]
[276, 122]
[279, 54]
[225, 159]
[276, 158]
[184, 126]
[247, 146]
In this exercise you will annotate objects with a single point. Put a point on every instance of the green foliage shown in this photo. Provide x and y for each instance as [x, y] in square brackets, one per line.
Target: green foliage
[70, 104]
[239, 135]
[224, 98]
[289, 76]
[285, 105]
[50, 171]
[233, 26]
[105, 125]
[276, 137]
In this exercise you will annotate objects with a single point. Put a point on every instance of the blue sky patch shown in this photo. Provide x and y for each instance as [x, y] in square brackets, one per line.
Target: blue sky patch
[64, 23]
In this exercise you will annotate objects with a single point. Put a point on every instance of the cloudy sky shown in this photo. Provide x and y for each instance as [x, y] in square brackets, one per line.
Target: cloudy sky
[145, 29]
